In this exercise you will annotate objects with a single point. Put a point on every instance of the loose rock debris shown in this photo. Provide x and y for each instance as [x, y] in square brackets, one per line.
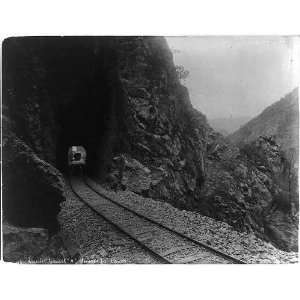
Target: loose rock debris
[242, 245]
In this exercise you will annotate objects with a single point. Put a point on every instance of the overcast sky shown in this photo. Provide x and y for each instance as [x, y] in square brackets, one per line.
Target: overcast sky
[237, 76]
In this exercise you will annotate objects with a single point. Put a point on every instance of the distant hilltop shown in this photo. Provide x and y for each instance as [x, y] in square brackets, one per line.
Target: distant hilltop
[228, 125]
[279, 120]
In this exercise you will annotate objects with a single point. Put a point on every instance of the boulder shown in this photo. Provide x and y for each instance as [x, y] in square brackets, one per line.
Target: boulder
[23, 244]
[32, 188]
[130, 173]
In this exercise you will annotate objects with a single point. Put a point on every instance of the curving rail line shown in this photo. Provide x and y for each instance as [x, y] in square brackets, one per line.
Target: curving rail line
[162, 242]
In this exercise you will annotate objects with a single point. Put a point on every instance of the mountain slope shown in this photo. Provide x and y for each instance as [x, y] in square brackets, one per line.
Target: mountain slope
[227, 126]
[280, 120]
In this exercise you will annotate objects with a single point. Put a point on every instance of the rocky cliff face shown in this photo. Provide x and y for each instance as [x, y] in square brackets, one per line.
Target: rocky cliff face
[32, 188]
[50, 88]
[281, 218]
[271, 142]
[250, 188]
[174, 155]
[164, 135]
[121, 99]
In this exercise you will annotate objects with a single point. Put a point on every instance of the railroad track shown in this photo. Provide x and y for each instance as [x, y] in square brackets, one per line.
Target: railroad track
[165, 244]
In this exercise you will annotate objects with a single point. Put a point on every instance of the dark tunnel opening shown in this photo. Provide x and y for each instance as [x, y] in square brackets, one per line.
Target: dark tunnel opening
[90, 111]
[58, 92]
[90, 120]
[76, 86]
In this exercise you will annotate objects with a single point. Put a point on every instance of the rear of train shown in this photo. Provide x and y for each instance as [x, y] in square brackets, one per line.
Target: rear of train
[76, 160]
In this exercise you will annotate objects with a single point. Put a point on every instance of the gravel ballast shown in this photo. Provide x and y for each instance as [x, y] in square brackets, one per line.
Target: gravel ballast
[96, 240]
[169, 246]
[221, 236]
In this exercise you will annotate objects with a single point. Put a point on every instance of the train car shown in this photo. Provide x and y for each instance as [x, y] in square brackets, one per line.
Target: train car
[76, 157]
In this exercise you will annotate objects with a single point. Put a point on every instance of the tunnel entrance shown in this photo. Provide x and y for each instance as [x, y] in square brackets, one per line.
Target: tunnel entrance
[76, 83]
[91, 119]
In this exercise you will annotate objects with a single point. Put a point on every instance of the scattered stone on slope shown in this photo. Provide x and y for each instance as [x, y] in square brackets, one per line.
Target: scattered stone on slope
[220, 235]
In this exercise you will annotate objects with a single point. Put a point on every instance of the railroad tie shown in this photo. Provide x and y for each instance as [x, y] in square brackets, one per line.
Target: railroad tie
[175, 249]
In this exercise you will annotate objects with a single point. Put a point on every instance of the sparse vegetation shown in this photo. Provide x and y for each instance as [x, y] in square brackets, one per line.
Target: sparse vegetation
[182, 73]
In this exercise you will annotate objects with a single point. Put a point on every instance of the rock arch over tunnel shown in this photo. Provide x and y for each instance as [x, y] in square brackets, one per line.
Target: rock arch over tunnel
[91, 107]
[67, 93]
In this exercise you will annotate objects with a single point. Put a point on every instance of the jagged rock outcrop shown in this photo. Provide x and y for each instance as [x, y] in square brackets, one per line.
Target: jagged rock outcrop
[163, 131]
[282, 217]
[32, 188]
[253, 189]
[41, 79]
[271, 142]
[121, 97]
[183, 161]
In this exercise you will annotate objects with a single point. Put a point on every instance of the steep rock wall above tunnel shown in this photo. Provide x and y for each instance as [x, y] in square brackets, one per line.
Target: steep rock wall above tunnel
[61, 92]
[57, 92]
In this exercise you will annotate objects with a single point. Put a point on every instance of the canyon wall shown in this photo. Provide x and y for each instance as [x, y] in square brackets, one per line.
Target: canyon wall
[120, 97]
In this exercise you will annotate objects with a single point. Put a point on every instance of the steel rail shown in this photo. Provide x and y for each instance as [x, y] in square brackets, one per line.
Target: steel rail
[215, 251]
[153, 253]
